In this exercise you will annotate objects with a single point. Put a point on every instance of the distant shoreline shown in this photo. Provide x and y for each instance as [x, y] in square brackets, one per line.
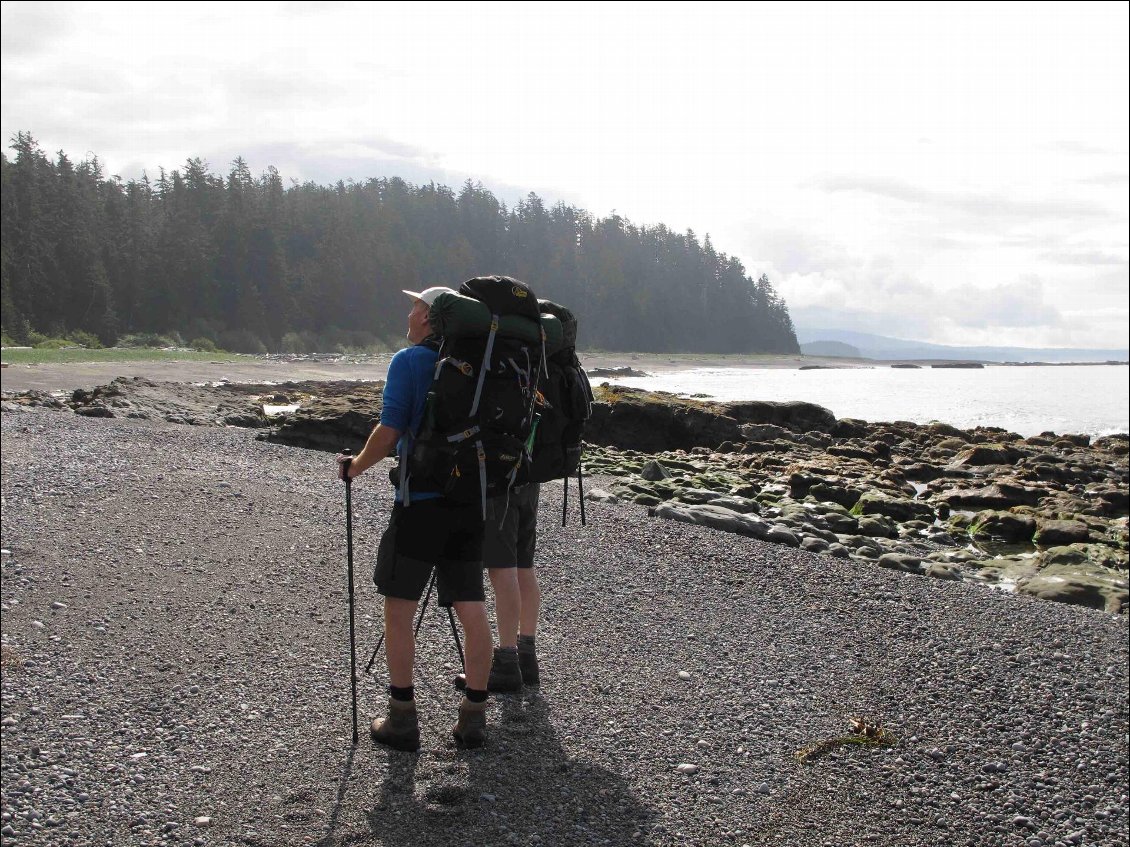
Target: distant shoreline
[259, 369]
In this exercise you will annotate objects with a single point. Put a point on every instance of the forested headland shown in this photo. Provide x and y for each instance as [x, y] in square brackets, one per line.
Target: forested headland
[250, 265]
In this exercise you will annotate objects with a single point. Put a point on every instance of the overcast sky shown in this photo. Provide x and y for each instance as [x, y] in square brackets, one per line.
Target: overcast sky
[949, 173]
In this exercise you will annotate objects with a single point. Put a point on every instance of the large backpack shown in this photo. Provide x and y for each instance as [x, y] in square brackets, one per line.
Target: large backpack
[479, 413]
[565, 404]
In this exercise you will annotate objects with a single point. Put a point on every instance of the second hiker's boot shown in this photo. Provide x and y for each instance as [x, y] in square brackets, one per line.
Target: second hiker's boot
[528, 664]
[401, 729]
[471, 729]
[505, 674]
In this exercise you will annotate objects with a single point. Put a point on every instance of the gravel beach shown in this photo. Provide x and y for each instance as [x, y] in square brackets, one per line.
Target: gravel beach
[176, 671]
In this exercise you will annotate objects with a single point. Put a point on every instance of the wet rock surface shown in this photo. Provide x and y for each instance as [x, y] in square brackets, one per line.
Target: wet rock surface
[175, 671]
[985, 506]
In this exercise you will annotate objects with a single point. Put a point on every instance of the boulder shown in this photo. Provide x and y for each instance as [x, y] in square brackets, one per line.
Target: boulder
[714, 517]
[1058, 533]
[998, 495]
[841, 524]
[94, 411]
[944, 570]
[812, 544]
[848, 451]
[901, 562]
[877, 526]
[834, 492]
[651, 422]
[332, 422]
[1096, 554]
[873, 503]
[1093, 587]
[986, 454]
[1118, 444]
[945, 430]
[765, 432]
[796, 416]
[1003, 527]
[782, 535]
[850, 428]
[654, 471]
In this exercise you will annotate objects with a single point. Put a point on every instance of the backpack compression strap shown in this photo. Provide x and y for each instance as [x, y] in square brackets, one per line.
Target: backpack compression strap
[486, 366]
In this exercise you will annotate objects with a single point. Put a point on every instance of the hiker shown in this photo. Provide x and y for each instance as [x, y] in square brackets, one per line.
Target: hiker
[564, 405]
[431, 532]
[508, 554]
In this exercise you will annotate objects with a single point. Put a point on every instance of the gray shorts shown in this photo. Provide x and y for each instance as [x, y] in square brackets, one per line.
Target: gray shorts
[510, 535]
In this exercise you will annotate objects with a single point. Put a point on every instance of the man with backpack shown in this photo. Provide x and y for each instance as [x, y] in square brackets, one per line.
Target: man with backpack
[564, 404]
[426, 530]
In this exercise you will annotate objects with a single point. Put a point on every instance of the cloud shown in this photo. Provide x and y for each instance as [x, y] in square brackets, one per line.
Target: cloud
[990, 206]
[29, 29]
[1083, 149]
[1085, 258]
[1110, 178]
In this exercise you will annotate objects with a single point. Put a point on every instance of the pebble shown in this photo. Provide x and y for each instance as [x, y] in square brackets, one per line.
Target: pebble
[188, 649]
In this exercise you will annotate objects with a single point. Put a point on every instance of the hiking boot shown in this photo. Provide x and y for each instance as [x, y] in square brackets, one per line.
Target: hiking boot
[528, 664]
[505, 675]
[471, 730]
[401, 729]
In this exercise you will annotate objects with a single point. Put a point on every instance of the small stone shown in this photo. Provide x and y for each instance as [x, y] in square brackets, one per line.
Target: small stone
[763, 788]
[687, 768]
[58, 605]
[684, 675]
[490, 798]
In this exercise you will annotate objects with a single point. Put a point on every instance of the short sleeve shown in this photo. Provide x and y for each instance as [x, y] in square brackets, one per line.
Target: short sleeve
[399, 394]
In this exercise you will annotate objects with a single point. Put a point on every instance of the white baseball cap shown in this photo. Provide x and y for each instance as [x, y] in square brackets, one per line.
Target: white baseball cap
[429, 295]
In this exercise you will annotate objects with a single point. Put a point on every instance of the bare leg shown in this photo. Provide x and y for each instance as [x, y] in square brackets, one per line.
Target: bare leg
[507, 604]
[400, 647]
[530, 594]
[476, 630]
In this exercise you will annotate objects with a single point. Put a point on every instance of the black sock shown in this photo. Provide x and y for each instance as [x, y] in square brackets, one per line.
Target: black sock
[405, 694]
[526, 639]
[476, 696]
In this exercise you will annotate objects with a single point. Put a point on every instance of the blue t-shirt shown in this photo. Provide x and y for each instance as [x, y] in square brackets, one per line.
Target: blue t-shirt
[406, 390]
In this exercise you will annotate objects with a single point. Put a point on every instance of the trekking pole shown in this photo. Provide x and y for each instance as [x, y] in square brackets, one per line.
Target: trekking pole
[565, 498]
[415, 632]
[460, 680]
[349, 558]
[580, 493]
[455, 635]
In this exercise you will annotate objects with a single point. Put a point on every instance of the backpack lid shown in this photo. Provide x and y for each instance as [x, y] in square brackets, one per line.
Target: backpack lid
[567, 321]
[503, 295]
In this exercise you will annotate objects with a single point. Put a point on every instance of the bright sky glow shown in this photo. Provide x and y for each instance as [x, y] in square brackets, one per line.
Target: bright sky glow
[950, 173]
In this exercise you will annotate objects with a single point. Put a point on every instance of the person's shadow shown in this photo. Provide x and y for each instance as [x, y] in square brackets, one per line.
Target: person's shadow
[521, 788]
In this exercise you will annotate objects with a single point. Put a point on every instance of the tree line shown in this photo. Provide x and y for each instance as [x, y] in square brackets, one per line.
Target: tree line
[248, 264]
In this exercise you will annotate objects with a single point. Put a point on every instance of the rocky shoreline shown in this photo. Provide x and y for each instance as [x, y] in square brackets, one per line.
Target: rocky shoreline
[1044, 515]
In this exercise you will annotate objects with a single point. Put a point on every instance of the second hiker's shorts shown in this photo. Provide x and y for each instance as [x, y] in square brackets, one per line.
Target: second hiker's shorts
[512, 544]
[432, 533]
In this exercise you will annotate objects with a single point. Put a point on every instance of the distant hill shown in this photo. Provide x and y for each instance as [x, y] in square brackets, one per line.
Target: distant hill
[831, 348]
[871, 346]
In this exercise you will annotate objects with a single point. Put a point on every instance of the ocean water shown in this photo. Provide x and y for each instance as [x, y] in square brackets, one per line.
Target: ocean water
[1027, 400]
